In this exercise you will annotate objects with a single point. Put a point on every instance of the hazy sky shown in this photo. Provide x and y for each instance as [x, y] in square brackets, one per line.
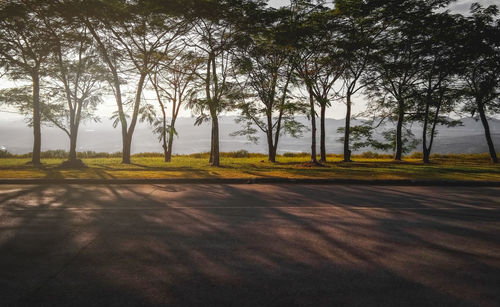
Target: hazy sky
[336, 111]
[458, 6]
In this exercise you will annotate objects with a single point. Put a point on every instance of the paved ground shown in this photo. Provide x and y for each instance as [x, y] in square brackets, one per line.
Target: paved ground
[249, 245]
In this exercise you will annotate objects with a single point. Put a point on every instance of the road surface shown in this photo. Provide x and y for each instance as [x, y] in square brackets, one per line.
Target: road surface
[249, 245]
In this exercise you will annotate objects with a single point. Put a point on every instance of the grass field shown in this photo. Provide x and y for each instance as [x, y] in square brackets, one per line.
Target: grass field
[455, 167]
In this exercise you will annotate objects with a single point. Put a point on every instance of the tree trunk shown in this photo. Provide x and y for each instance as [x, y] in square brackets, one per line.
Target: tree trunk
[164, 134]
[347, 151]
[211, 158]
[399, 134]
[270, 144]
[280, 116]
[277, 134]
[323, 135]
[271, 155]
[37, 133]
[135, 114]
[428, 148]
[72, 143]
[313, 127]
[427, 156]
[425, 151]
[215, 159]
[486, 126]
[126, 150]
[117, 90]
[168, 155]
[165, 150]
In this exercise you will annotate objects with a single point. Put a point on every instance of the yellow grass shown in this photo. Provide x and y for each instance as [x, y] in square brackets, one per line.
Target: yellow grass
[444, 168]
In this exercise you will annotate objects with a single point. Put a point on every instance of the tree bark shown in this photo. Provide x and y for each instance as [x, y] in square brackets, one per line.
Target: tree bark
[313, 127]
[271, 156]
[164, 130]
[130, 132]
[117, 91]
[425, 151]
[127, 144]
[165, 148]
[72, 142]
[211, 158]
[215, 159]
[347, 151]
[276, 137]
[269, 134]
[280, 117]
[37, 133]
[428, 148]
[168, 155]
[487, 133]
[399, 134]
[323, 135]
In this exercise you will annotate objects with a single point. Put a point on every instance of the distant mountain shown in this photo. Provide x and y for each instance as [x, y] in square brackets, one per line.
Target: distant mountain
[16, 137]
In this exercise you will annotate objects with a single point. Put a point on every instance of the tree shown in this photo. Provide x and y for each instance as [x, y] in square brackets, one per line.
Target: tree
[436, 93]
[214, 35]
[359, 28]
[397, 63]
[394, 71]
[24, 49]
[131, 34]
[76, 78]
[175, 84]
[320, 66]
[267, 68]
[480, 74]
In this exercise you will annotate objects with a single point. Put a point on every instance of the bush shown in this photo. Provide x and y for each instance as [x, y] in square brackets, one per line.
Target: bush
[238, 154]
[4, 153]
[370, 155]
[295, 154]
[89, 154]
[148, 155]
[54, 154]
[373, 155]
[200, 155]
[416, 155]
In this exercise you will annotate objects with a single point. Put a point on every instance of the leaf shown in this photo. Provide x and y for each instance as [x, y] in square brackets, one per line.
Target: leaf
[116, 118]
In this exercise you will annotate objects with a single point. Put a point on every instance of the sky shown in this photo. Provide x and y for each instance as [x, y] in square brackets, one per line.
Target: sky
[337, 110]
[458, 6]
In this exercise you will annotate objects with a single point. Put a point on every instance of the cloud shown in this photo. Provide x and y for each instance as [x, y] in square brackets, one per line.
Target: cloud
[463, 6]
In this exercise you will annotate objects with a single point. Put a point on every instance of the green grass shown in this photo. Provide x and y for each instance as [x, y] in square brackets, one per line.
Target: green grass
[445, 167]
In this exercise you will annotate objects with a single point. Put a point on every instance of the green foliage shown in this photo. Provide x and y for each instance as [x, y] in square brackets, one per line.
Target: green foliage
[93, 154]
[20, 98]
[370, 155]
[366, 135]
[416, 63]
[416, 155]
[4, 153]
[148, 155]
[240, 154]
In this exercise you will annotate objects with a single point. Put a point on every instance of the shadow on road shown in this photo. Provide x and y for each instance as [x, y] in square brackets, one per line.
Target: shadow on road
[249, 245]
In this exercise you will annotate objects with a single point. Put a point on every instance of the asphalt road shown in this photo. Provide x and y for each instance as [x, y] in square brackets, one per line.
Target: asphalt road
[249, 245]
